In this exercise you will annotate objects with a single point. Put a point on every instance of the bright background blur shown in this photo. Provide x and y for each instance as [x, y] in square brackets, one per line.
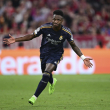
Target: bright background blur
[89, 21]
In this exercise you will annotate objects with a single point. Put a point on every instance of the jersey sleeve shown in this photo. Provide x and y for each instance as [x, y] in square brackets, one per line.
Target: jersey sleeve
[70, 36]
[38, 32]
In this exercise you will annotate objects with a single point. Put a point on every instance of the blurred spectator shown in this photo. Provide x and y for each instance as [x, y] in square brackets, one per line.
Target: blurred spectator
[100, 45]
[106, 29]
[83, 17]
[15, 3]
[21, 46]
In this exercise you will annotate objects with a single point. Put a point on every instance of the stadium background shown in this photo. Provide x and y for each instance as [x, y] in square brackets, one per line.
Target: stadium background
[89, 21]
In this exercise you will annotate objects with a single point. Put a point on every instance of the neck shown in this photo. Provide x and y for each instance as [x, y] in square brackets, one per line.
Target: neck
[56, 28]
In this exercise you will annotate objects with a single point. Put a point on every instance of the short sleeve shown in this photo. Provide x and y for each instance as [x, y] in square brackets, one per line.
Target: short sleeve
[70, 36]
[38, 32]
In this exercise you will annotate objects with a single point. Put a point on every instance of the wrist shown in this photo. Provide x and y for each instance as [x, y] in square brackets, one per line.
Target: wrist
[15, 40]
[82, 57]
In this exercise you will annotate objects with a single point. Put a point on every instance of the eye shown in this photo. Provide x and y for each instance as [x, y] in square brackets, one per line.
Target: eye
[59, 19]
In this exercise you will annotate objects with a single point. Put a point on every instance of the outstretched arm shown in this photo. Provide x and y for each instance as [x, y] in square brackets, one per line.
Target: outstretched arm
[24, 38]
[79, 53]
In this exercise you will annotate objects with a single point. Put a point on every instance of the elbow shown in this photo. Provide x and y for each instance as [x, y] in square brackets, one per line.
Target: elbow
[30, 37]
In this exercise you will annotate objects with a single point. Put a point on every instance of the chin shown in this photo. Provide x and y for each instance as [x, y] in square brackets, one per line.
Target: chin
[56, 25]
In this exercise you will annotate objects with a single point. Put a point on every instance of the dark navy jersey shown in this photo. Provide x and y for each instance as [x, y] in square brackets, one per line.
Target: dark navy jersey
[52, 41]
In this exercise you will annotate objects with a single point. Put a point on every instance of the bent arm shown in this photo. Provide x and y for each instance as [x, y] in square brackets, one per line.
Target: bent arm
[76, 49]
[25, 38]
[79, 53]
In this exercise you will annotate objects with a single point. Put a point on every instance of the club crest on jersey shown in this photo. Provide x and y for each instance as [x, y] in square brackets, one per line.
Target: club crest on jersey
[61, 37]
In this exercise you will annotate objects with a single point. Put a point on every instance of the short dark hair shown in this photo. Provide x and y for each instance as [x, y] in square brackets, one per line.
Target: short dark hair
[58, 12]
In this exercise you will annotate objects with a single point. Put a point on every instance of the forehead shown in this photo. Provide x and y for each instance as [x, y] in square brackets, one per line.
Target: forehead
[57, 16]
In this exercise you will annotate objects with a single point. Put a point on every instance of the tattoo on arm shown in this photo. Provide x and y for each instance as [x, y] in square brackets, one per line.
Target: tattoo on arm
[76, 48]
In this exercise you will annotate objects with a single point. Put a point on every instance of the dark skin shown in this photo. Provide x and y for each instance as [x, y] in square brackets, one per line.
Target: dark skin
[57, 21]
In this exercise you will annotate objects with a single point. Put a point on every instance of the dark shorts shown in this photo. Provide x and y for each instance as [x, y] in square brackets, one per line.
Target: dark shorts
[51, 58]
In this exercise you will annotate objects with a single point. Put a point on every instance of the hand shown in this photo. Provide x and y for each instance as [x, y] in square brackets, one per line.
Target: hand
[9, 40]
[87, 62]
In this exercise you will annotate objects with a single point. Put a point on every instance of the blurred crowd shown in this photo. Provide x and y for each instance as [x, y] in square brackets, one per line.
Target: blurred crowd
[81, 16]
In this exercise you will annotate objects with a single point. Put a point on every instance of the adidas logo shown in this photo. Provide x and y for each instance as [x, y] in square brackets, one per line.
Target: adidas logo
[48, 35]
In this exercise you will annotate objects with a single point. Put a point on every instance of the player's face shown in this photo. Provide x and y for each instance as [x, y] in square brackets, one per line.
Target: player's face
[57, 20]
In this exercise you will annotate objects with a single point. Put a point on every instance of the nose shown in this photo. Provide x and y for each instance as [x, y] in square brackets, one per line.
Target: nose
[56, 21]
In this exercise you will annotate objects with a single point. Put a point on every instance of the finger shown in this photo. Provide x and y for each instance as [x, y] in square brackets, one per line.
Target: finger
[5, 41]
[88, 66]
[90, 58]
[91, 65]
[10, 35]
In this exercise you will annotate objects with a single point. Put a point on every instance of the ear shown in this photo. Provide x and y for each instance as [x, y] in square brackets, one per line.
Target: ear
[62, 20]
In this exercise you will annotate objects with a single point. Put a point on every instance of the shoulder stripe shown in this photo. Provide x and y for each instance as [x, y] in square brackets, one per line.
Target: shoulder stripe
[66, 31]
[45, 27]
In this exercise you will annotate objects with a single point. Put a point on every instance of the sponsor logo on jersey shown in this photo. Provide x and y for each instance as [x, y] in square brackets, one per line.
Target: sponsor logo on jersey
[53, 41]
